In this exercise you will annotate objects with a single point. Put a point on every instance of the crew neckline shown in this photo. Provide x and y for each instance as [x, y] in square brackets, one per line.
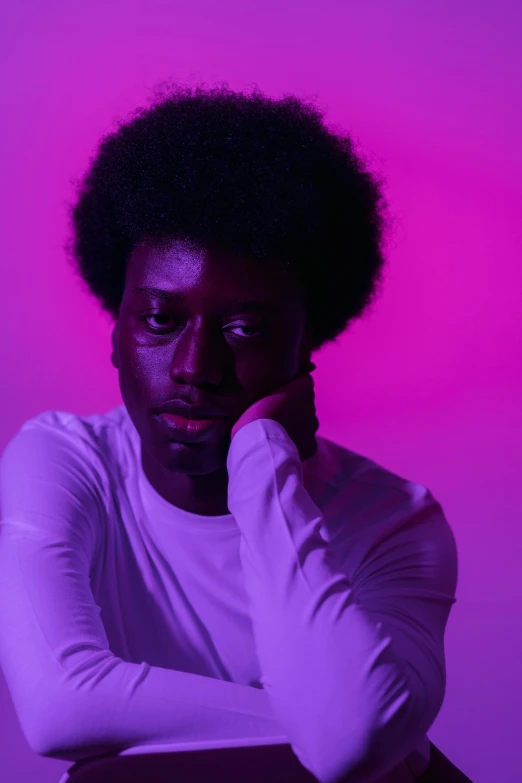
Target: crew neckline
[177, 515]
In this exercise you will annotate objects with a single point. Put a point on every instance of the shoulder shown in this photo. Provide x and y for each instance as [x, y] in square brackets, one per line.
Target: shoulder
[375, 510]
[92, 430]
[57, 476]
[55, 441]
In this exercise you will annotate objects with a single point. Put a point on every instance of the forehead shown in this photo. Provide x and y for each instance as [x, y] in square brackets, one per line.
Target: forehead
[177, 265]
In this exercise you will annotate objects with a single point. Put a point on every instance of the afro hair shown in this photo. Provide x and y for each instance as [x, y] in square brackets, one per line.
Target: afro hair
[262, 177]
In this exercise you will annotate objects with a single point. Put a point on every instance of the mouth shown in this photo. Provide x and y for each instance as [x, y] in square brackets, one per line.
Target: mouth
[189, 428]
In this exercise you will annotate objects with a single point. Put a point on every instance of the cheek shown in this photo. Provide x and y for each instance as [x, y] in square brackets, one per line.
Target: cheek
[141, 362]
[261, 376]
[136, 373]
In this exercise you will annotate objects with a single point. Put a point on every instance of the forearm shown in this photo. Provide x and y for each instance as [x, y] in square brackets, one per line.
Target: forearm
[135, 704]
[340, 684]
[73, 696]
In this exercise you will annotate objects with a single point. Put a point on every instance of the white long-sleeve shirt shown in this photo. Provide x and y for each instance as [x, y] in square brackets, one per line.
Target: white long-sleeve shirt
[313, 614]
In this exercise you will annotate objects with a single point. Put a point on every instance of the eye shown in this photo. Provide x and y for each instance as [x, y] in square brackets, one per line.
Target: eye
[253, 330]
[146, 319]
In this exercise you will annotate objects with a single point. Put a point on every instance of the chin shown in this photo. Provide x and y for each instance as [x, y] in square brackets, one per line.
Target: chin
[196, 459]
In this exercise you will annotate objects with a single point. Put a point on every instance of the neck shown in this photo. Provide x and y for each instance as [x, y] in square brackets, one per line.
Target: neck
[206, 495]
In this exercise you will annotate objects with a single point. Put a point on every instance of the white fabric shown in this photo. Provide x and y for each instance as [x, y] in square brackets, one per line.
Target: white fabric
[314, 613]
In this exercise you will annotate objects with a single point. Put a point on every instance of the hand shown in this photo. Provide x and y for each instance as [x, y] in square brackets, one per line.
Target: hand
[293, 406]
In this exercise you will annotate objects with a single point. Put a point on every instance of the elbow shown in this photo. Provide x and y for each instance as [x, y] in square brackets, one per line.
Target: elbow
[71, 745]
[41, 727]
[339, 769]
[369, 749]
[68, 749]
[368, 755]
[46, 720]
[360, 765]
[338, 759]
[47, 738]
[60, 733]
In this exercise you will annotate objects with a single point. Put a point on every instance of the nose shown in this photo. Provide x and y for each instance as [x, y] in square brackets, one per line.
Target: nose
[200, 355]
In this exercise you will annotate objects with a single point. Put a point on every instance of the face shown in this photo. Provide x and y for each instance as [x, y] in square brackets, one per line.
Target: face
[210, 328]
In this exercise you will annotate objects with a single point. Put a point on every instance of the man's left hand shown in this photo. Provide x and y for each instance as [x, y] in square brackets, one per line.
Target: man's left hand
[293, 406]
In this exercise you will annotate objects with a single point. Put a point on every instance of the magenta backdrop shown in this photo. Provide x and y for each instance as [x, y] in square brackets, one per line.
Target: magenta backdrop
[430, 382]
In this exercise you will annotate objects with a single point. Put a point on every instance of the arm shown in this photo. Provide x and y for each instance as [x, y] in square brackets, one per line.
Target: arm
[72, 696]
[353, 664]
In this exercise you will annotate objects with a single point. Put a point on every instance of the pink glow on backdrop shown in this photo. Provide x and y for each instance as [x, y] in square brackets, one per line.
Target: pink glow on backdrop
[430, 382]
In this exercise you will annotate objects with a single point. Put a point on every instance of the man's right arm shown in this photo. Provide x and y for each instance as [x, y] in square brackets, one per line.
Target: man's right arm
[73, 697]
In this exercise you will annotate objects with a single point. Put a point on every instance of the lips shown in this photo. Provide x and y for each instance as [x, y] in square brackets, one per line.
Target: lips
[188, 430]
[191, 411]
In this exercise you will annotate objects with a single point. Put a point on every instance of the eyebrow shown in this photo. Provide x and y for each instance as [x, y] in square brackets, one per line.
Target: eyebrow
[245, 304]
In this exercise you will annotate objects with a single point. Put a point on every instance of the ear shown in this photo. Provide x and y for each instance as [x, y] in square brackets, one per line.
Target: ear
[115, 355]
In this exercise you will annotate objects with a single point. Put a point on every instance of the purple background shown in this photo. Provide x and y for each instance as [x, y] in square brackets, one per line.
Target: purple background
[430, 382]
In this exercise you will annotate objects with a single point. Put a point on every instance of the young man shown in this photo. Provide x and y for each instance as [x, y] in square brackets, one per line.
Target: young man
[197, 564]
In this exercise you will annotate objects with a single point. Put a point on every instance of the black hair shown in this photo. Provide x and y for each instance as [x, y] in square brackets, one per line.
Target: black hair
[260, 176]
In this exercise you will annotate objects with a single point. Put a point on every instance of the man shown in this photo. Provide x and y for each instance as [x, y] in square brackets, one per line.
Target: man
[196, 563]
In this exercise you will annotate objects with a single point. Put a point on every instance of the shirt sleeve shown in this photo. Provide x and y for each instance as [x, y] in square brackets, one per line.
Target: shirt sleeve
[351, 658]
[73, 697]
